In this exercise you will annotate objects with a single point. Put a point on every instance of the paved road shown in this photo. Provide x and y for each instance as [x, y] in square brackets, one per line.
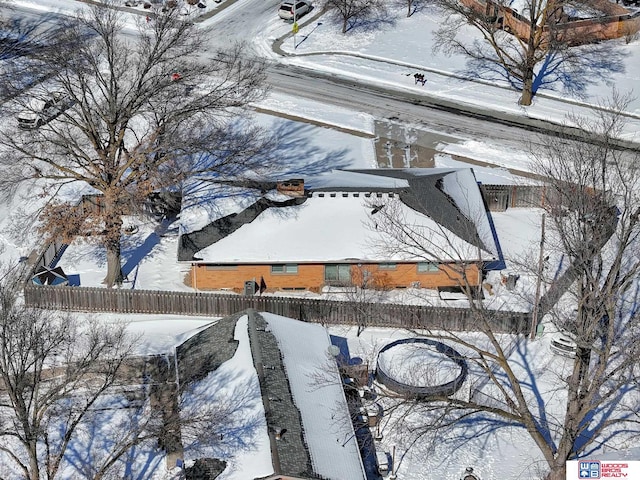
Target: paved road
[436, 114]
[438, 121]
[442, 119]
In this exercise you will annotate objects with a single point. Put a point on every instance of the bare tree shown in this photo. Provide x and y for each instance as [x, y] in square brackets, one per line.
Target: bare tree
[56, 375]
[369, 289]
[528, 49]
[593, 202]
[363, 292]
[594, 205]
[412, 5]
[74, 400]
[351, 11]
[126, 117]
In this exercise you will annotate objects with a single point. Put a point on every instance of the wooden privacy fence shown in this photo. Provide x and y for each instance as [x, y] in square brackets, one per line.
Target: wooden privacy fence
[318, 311]
[502, 197]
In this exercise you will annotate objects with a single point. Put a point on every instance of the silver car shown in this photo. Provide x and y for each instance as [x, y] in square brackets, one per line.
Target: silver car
[563, 343]
[286, 10]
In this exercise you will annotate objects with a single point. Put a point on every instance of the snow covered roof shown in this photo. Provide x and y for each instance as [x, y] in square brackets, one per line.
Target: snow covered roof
[334, 222]
[317, 391]
[290, 384]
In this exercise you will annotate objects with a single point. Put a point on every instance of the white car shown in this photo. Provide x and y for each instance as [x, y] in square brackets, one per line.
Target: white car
[286, 10]
[563, 343]
[42, 109]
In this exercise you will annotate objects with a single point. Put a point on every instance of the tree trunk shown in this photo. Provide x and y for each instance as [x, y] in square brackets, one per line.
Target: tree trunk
[409, 2]
[527, 90]
[558, 472]
[529, 64]
[114, 268]
[112, 245]
[34, 468]
[345, 21]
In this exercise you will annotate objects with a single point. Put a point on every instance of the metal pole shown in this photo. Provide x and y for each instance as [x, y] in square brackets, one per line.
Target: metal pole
[393, 464]
[175, 361]
[536, 305]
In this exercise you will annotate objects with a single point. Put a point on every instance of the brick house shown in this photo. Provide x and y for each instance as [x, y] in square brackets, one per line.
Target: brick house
[609, 20]
[324, 233]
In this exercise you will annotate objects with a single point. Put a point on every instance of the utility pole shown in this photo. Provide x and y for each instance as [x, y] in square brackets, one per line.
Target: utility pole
[536, 305]
[175, 365]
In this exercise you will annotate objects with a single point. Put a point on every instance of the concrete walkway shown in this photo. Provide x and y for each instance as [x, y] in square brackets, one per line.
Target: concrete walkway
[277, 48]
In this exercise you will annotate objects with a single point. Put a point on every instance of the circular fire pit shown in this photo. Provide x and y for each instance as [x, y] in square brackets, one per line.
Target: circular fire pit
[421, 368]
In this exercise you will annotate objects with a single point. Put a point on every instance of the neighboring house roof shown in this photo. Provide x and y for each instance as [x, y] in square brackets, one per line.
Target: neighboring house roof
[285, 381]
[335, 221]
[317, 391]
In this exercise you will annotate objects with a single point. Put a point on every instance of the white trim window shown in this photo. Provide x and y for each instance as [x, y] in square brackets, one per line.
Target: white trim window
[337, 274]
[387, 266]
[284, 269]
[428, 267]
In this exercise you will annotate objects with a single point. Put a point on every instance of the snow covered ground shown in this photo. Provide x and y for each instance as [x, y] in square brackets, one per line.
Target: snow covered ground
[388, 53]
[391, 55]
[497, 452]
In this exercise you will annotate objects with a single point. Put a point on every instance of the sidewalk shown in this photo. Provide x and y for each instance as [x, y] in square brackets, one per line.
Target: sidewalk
[443, 85]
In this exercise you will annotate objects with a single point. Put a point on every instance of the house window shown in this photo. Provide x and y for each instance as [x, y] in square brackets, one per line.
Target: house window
[290, 268]
[387, 266]
[337, 274]
[221, 267]
[428, 267]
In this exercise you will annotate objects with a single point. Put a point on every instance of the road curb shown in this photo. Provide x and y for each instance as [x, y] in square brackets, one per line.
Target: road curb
[524, 119]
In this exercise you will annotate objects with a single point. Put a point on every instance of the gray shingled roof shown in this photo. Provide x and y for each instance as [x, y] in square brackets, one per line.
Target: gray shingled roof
[426, 195]
[420, 189]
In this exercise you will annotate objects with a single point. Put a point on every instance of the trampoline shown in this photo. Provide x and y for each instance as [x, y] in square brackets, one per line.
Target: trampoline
[421, 368]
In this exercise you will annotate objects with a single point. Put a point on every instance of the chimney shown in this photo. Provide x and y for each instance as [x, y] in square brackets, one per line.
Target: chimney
[293, 187]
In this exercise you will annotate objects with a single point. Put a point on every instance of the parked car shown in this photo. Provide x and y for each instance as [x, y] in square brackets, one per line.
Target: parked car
[43, 109]
[563, 343]
[286, 10]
